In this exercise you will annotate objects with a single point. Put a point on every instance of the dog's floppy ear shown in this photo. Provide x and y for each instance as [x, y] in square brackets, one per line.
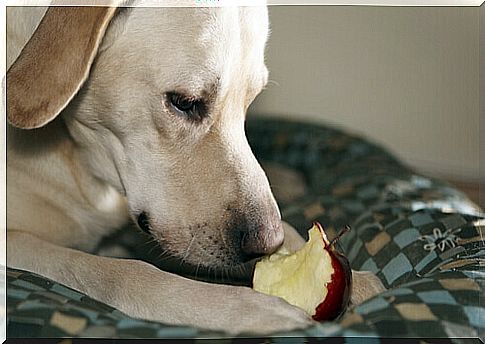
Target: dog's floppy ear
[54, 63]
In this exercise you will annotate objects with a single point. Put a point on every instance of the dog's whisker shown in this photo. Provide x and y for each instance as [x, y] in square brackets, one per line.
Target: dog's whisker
[152, 242]
[147, 242]
[187, 251]
[164, 254]
[197, 269]
[223, 239]
[210, 271]
[167, 254]
[151, 249]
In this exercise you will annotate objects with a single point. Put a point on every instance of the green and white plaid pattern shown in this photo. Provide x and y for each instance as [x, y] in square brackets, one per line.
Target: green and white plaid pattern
[420, 236]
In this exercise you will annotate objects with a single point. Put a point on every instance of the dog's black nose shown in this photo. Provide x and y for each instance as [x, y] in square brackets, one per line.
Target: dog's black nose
[262, 240]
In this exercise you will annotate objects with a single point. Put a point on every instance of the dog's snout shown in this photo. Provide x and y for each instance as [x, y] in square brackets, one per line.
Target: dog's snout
[262, 240]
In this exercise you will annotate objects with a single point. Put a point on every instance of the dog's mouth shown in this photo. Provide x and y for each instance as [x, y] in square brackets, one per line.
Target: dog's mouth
[237, 270]
[239, 274]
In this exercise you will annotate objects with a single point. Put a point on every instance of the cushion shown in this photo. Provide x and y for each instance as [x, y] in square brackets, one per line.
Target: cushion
[419, 235]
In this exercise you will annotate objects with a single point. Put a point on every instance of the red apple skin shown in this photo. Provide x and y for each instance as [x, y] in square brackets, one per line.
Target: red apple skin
[338, 294]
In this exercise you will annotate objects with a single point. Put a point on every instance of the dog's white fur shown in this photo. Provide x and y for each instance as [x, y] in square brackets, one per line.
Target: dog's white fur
[119, 149]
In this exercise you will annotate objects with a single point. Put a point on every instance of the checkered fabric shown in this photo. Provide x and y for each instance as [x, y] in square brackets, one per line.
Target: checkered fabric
[420, 236]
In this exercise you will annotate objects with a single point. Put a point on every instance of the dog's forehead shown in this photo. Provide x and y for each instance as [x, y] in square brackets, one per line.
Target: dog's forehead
[203, 24]
[206, 43]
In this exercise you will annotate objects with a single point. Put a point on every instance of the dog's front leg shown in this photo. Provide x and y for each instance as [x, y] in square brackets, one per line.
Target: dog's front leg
[141, 290]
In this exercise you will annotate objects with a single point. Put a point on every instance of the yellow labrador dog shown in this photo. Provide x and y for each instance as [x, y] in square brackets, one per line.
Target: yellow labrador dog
[138, 113]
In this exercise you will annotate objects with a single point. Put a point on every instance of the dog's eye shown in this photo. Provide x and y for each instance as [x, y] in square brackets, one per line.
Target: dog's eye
[193, 109]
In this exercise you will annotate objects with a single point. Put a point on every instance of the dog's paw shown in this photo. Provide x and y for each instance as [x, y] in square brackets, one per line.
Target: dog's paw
[244, 311]
[364, 286]
[261, 314]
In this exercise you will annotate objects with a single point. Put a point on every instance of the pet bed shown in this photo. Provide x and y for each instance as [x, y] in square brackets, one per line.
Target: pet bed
[420, 236]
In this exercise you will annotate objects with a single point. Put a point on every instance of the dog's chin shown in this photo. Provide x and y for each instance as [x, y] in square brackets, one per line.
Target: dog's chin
[240, 274]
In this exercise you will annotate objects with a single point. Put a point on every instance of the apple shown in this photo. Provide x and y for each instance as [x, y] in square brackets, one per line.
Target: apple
[316, 278]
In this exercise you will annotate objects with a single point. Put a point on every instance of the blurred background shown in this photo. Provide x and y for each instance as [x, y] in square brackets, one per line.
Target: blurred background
[404, 77]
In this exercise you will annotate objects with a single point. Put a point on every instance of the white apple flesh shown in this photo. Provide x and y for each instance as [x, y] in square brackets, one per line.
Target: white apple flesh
[316, 278]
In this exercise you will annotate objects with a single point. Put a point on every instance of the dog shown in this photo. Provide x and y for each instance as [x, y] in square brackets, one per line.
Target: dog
[137, 114]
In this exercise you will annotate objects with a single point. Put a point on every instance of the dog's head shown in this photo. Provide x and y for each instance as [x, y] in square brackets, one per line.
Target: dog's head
[161, 118]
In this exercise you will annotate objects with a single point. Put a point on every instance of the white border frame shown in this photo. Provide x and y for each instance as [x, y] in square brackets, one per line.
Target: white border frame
[218, 3]
[162, 3]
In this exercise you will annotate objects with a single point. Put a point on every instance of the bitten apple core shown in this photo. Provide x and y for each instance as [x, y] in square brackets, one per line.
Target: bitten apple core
[316, 278]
